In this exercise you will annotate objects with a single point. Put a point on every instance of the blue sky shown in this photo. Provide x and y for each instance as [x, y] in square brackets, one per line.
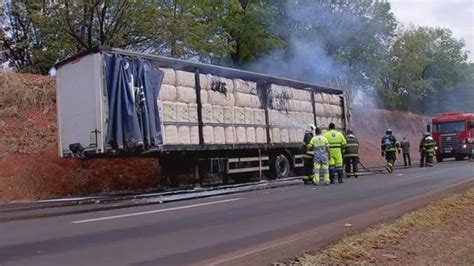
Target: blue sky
[457, 15]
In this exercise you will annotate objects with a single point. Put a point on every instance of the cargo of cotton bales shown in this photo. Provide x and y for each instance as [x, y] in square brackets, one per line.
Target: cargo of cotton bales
[113, 101]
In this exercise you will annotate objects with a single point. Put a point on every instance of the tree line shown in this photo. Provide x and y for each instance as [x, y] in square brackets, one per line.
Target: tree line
[358, 45]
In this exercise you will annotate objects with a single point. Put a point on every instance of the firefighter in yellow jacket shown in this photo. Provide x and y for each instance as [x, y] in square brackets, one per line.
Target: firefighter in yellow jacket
[320, 147]
[337, 142]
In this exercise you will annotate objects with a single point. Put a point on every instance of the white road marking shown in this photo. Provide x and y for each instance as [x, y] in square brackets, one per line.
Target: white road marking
[67, 199]
[155, 211]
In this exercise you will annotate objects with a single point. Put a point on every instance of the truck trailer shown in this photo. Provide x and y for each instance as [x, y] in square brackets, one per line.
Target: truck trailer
[195, 118]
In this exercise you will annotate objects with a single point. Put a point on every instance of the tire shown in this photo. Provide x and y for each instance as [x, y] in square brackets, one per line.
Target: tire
[280, 167]
[439, 158]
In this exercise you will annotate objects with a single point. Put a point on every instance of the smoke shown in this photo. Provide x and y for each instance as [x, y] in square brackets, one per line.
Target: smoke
[322, 36]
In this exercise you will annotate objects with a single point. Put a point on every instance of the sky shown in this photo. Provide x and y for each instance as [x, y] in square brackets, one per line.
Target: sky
[457, 15]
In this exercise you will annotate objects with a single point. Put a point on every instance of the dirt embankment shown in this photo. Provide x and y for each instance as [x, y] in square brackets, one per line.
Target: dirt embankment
[370, 125]
[29, 165]
[31, 169]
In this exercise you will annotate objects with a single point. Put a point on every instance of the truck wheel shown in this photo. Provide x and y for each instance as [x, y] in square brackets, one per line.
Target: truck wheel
[439, 158]
[280, 167]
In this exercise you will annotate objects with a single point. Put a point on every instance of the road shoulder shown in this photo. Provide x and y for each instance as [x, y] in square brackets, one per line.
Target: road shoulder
[440, 233]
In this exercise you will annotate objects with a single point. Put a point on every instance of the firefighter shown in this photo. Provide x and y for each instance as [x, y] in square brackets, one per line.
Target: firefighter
[308, 155]
[320, 146]
[389, 148]
[427, 145]
[337, 141]
[351, 154]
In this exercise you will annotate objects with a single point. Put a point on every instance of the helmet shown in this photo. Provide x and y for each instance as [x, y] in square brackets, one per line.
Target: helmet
[388, 131]
[426, 134]
[312, 127]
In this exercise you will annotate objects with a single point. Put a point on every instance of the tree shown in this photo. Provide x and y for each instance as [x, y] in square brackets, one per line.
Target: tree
[248, 25]
[425, 65]
[333, 42]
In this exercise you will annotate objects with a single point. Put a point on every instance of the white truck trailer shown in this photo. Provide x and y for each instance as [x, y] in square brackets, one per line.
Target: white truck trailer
[194, 117]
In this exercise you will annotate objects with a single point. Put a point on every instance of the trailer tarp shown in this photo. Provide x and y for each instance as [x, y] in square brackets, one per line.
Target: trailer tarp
[132, 89]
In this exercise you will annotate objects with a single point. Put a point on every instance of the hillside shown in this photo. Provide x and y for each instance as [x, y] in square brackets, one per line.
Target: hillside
[31, 169]
[370, 126]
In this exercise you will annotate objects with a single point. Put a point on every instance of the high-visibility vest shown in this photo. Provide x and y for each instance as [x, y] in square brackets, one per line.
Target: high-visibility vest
[336, 140]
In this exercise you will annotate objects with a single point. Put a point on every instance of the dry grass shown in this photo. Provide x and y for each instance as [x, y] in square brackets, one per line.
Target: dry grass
[356, 249]
[27, 113]
[19, 96]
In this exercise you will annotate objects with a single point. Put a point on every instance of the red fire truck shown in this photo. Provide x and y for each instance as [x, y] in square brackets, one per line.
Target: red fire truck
[454, 135]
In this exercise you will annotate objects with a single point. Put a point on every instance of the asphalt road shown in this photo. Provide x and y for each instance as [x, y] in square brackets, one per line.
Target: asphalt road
[196, 231]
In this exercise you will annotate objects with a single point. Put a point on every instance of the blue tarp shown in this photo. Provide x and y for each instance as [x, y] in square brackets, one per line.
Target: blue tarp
[133, 86]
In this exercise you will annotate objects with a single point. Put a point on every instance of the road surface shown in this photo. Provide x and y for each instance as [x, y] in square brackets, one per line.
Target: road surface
[234, 229]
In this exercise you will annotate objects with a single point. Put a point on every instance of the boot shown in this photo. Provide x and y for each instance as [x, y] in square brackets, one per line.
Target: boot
[339, 177]
[332, 177]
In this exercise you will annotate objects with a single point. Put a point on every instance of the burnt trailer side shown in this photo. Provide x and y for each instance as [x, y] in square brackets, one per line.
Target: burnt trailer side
[208, 118]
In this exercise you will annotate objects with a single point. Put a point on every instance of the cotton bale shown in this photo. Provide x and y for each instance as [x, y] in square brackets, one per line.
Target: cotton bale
[167, 93]
[241, 135]
[171, 135]
[169, 112]
[259, 116]
[192, 111]
[185, 79]
[306, 107]
[230, 135]
[239, 115]
[249, 116]
[261, 135]
[184, 136]
[219, 135]
[208, 134]
[245, 86]
[275, 135]
[218, 114]
[284, 135]
[194, 135]
[207, 113]
[169, 76]
[182, 112]
[228, 115]
[250, 131]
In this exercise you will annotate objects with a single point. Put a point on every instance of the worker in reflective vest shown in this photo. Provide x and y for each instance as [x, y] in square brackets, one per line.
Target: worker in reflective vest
[320, 147]
[337, 142]
[351, 155]
[308, 155]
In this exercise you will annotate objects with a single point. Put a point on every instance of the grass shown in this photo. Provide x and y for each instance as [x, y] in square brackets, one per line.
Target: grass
[27, 113]
[19, 94]
[356, 249]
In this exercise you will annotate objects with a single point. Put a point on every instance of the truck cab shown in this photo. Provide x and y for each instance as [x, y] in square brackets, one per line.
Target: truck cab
[454, 135]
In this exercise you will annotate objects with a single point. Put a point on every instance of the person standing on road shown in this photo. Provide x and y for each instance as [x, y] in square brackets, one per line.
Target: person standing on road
[427, 149]
[308, 154]
[320, 146]
[351, 155]
[389, 148]
[337, 141]
[405, 144]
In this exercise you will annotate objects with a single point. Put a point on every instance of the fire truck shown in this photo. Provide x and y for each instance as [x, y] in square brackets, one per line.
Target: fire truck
[454, 135]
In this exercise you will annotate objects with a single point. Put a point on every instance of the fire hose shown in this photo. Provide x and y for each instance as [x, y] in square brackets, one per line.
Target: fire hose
[371, 171]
